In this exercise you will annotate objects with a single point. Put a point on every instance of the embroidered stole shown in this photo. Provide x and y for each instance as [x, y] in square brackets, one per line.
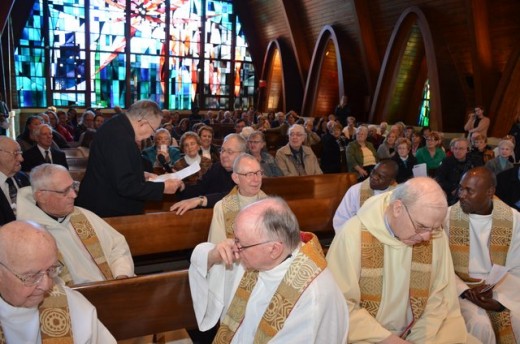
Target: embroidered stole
[500, 240]
[366, 192]
[231, 208]
[89, 238]
[372, 279]
[55, 324]
[306, 266]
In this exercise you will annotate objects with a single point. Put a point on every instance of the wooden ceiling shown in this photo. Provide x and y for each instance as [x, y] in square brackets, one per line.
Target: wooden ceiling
[476, 46]
[475, 42]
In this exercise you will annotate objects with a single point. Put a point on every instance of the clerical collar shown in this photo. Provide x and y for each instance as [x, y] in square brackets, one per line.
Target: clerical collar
[59, 219]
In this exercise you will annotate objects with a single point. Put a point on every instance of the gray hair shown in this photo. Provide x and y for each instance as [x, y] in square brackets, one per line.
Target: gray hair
[299, 127]
[38, 129]
[280, 223]
[41, 175]
[142, 108]
[458, 139]
[84, 116]
[506, 143]
[419, 188]
[239, 158]
[242, 144]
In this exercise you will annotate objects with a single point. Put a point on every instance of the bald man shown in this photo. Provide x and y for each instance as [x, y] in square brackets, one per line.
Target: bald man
[268, 284]
[405, 291]
[35, 305]
[11, 179]
[485, 231]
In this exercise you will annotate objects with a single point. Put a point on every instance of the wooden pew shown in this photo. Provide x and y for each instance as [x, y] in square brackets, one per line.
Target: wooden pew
[143, 305]
[318, 186]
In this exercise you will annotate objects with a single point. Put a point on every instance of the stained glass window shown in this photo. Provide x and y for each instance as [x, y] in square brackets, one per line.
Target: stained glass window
[106, 53]
[424, 110]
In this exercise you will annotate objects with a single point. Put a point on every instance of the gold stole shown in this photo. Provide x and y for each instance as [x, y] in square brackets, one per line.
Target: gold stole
[89, 238]
[365, 192]
[500, 240]
[55, 324]
[372, 279]
[306, 266]
[231, 208]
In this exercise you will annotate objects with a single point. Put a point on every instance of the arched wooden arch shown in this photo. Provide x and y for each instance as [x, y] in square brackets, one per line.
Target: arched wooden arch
[506, 103]
[409, 60]
[325, 82]
[282, 84]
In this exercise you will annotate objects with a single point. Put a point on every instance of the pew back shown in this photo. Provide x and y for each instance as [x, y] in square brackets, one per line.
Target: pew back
[143, 305]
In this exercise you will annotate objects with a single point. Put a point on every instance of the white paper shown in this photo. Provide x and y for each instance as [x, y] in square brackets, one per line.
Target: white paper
[185, 172]
[419, 170]
[495, 275]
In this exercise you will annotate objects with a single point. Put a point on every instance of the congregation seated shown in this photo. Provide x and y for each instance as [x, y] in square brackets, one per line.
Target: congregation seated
[417, 142]
[404, 159]
[90, 249]
[361, 155]
[43, 152]
[386, 150]
[35, 306]
[508, 184]
[216, 182]
[374, 137]
[295, 159]
[480, 152]
[63, 127]
[240, 282]
[86, 122]
[207, 148]
[247, 175]
[162, 146]
[57, 137]
[256, 147]
[334, 145]
[502, 161]
[26, 138]
[432, 154]
[11, 179]
[86, 137]
[453, 168]
[312, 138]
[181, 128]
[190, 146]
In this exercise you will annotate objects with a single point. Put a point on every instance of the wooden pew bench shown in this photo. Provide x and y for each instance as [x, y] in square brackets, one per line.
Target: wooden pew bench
[143, 305]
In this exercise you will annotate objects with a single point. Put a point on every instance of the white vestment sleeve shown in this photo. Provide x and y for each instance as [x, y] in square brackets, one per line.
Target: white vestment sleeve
[207, 289]
[347, 208]
[217, 229]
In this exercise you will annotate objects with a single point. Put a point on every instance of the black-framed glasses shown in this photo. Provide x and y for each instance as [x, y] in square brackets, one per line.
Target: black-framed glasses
[432, 230]
[250, 175]
[241, 248]
[13, 153]
[147, 122]
[228, 151]
[73, 187]
[30, 280]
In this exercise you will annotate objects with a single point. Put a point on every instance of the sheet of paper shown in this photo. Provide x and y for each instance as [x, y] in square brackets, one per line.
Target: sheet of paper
[185, 172]
[419, 170]
[495, 275]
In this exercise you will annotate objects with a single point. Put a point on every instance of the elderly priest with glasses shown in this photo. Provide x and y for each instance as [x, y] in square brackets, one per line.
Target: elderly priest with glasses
[392, 262]
[35, 306]
[90, 248]
[268, 284]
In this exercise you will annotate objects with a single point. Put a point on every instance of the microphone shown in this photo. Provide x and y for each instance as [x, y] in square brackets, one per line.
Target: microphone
[164, 164]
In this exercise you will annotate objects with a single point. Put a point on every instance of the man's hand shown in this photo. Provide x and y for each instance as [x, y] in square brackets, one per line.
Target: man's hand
[225, 252]
[483, 300]
[172, 185]
[183, 206]
[149, 176]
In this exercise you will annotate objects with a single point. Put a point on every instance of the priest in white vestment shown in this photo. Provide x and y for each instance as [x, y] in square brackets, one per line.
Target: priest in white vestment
[267, 285]
[381, 180]
[32, 307]
[490, 230]
[50, 202]
[393, 265]
[247, 175]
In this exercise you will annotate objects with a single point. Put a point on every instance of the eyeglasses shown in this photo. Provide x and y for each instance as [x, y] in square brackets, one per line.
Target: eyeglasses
[296, 134]
[73, 187]
[30, 280]
[254, 142]
[228, 151]
[143, 119]
[435, 231]
[242, 248]
[250, 175]
[15, 153]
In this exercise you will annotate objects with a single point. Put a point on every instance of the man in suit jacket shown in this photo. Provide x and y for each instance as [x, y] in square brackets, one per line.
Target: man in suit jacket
[11, 179]
[508, 186]
[42, 152]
